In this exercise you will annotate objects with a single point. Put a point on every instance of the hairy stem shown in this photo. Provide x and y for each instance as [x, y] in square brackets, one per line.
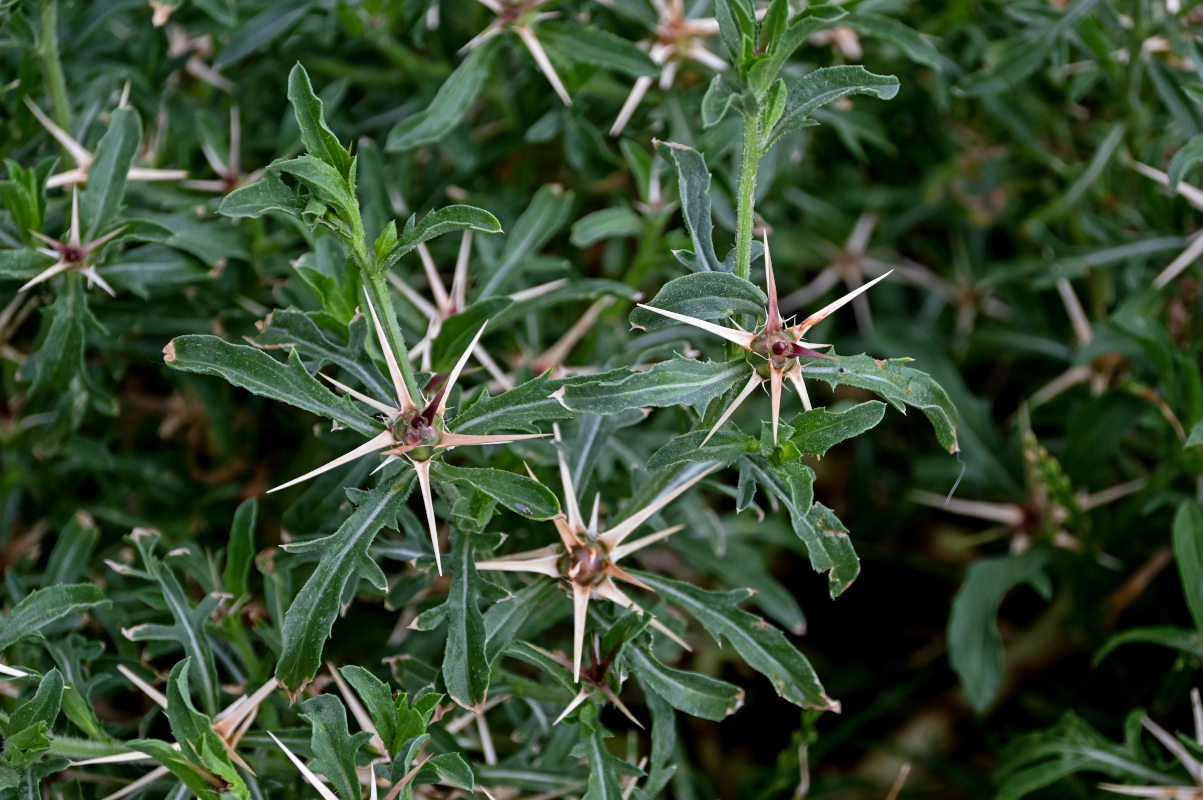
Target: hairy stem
[746, 198]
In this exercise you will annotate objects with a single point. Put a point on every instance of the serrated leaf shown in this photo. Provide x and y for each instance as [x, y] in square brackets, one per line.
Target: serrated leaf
[1188, 553]
[800, 28]
[762, 646]
[288, 326]
[710, 296]
[818, 430]
[378, 701]
[693, 181]
[436, 223]
[726, 445]
[450, 103]
[100, 202]
[194, 733]
[680, 381]
[605, 769]
[518, 409]
[259, 373]
[41, 607]
[691, 692]
[267, 194]
[897, 384]
[465, 665]
[325, 181]
[334, 748]
[317, 138]
[975, 647]
[344, 554]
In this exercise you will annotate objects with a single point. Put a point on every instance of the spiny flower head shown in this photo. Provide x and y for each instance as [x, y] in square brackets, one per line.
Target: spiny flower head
[782, 347]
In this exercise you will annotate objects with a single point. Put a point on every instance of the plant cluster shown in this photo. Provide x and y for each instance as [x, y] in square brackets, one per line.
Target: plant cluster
[315, 476]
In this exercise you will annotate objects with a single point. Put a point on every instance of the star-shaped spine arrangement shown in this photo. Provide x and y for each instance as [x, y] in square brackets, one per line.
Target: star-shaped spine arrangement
[73, 254]
[782, 346]
[414, 427]
[587, 559]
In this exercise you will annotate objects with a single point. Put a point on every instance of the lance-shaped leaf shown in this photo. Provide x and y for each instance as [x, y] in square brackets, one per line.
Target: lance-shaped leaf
[265, 195]
[318, 347]
[547, 213]
[975, 646]
[710, 296]
[761, 645]
[826, 85]
[680, 381]
[518, 409]
[465, 666]
[189, 622]
[662, 764]
[725, 446]
[1188, 553]
[518, 493]
[378, 700]
[1185, 640]
[203, 761]
[27, 734]
[819, 430]
[241, 550]
[72, 553]
[504, 618]
[827, 543]
[693, 180]
[800, 27]
[317, 138]
[41, 607]
[342, 556]
[334, 748]
[259, 373]
[436, 223]
[691, 692]
[100, 202]
[605, 769]
[450, 103]
[897, 384]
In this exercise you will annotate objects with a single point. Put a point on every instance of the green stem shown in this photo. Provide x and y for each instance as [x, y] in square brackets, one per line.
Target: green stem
[52, 67]
[746, 197]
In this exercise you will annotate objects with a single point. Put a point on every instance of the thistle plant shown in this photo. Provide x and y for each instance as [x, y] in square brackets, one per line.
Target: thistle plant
[412, 447]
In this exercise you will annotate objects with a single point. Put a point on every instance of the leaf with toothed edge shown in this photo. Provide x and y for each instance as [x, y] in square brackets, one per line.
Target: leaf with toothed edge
[343, 555]
[43, 606]
[436, 223]
[726, 445]
[465, 665]
[334, 747]
[605, 769]
[693, 178]
[518, 409]
[691, 692]
[761, 645]
[819, 430]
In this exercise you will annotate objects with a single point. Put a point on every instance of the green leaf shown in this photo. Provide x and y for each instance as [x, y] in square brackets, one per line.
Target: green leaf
[1195, 439]
[436, 223]
[1185, 159]
[444, 112]
[41, 607]
[378, 701]
[605, 769]
[100, 202]
[450, 768]
[22, 265]
[202, 783]
[761, 645]
[518, 493]
[726, 445]
[548, 212]
[588, 44]
[693, 179]
[465, 666]
[72, 553]
[240, 553]
[608, 223]
[710, 296]
[334, 748]
[27, 734]
[342, 556]
[800, 28]
[691, 692]
[59, 358]
[325, 181]
[679, 381]
[459, 329]
[317, 138]
[504, 618]
[1183, 640]
[519, 409]
[891, 31]
[193, 731]
[270, 25]
[259, 373]
[267, 194]
[818, 430]
[897, 384]
[1188, 552]
[293, 328]
[720, 96]
[975, 647]
[826, 85]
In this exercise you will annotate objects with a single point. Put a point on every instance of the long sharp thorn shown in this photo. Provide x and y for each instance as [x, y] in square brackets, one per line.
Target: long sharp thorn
[752, 383]
[459, 367]
[418, 301]
[384, 463]
[73, 236]
[536, 50]
[795, 376]
[580, 609]
[422, 468]
[78, 152]
[576, 701]
[405, 401]
[568, 534]
[46, 274]
[630, 547]
[774, 321]
[642, 84]
[449, 440]
[775, 398]
[667, 631]
[437, 289]
[378, 442]
[814, 319]
[615, 536]
[613, 698]
[574, 512]
[541, 565]
[741, 338]
[360, 396]
[618, 573]
[592, 529]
